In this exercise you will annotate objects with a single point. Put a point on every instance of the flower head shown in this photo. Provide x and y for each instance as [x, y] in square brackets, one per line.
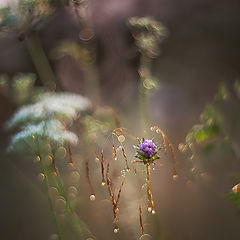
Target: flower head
[147, 151]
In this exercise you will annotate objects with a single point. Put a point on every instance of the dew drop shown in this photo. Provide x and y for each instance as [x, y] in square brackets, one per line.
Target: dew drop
[48, 160]
[121, 138]
[71, 196]
[97, 159]
[149, 209]
[41, 177]
[153, 211]
[115, 159]
[72, 189]
[37, 159]
[60, 203]
[145, 237]
[175, 176]
[53, 237]
[61, 152]
[116, 230]
[71, 164]
[53, 192]
[235, 188]
[182, 147]
[158, 131]
[152, 128]
[74, 177]
[92, 197]
[103, 183]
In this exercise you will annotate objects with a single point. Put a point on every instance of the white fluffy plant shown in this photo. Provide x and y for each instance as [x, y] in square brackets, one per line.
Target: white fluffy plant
[46, 120]
[42, 129]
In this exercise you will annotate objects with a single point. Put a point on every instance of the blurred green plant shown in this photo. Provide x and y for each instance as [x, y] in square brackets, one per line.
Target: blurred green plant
[148, 34]
[20, 89]
[216, 134]
[42, 132]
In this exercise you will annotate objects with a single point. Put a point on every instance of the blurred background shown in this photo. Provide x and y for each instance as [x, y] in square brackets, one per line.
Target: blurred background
[89, 48]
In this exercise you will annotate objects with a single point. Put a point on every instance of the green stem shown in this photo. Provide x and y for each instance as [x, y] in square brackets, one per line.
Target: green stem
[41, 62]
[144, 71]
[47, 186]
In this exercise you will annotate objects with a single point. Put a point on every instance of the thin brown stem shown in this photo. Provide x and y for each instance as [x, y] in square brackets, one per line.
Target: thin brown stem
[70, 154]
[140, 220]
[88, 177]
[102, 168]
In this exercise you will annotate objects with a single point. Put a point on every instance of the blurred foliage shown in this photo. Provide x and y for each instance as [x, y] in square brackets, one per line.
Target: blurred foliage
[25, 15]
[216, 135]
[46, 120]
[211, 127]
[20, 89]
[148, 34]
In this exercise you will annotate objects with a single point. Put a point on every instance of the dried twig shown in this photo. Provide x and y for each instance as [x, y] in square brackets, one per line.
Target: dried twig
[92, 195]
[102, 168]
[55, 170]
[166, 142]
[140, 220]
[112, 197]
[70, 154]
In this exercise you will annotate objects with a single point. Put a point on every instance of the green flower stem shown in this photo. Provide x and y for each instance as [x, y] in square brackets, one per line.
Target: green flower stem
[41, 62]
[144, 71]
[47, 187]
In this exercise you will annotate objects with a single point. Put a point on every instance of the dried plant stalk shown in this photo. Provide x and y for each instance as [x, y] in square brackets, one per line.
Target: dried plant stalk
[137, 161]
[167, 142]
[96, 156]
[114, 148]
[119, 192]
[102, 168]
[149, 192]
[55, 170]
[112, 197]
[70, 154]
[88, 178]
[140, 220]
[125, 157]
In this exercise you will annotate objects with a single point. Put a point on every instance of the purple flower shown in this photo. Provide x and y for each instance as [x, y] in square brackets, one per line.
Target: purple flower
[147, 149]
